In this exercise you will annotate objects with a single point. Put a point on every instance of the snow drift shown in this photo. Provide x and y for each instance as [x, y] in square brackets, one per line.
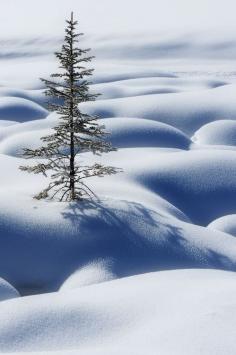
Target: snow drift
[226, 224]
[139, 315]
[20, 110]
[222, 132]
[187, 111]
[7, 291]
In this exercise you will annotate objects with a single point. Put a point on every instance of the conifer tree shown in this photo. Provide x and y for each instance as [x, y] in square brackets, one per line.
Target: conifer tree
[76, 132]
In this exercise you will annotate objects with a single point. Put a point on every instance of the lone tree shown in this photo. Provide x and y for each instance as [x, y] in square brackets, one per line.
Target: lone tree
[76, 131]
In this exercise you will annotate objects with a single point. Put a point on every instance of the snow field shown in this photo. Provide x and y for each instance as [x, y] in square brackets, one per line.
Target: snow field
[148, 267]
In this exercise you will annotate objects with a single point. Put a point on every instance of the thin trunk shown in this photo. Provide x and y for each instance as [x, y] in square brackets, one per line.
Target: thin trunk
[72, 145]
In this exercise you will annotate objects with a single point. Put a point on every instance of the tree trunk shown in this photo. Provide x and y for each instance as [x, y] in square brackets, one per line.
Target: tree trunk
[72, 144]
[72, 165]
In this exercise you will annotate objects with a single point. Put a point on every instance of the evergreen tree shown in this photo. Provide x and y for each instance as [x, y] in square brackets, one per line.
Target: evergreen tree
[76, 131]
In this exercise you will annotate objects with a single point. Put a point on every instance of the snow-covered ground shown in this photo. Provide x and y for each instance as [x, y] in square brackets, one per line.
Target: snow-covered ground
[148, 267]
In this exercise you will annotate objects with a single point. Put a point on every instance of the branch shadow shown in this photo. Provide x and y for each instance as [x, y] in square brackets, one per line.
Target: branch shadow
[139, 240]
[38, 258]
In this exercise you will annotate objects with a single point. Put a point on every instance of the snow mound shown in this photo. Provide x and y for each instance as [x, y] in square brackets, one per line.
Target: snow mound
[14, 138]
[137, 315]
[187, 111]
[200, 183]
[159, 86]
[4, 123]
[20, 110]
[123, 132]
[7, 291]
[96, 272]
[15, 144]
[34, 125]
[138, 224]
[151, 85]
[134, 132]
[50, 241]
[221, 132]
[225, 224]
[31, 95]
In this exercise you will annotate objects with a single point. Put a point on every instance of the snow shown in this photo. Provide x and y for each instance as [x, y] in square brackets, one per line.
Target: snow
[226, 224]
[50, 249]
[20, 110]
[96, 272]
[7, 291]
[199, 182]
[187, 111]
[222, 132]
[127, 132]
[122, 132]
[148, 267]
[193, 308]
[14, 145]
[141, 233]
[168, 15]
[162, 84]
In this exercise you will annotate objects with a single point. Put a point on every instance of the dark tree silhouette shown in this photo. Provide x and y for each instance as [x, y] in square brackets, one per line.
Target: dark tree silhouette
[76, 131]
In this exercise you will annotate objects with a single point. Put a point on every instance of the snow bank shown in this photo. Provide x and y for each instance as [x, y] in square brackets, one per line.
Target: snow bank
[96, 272]
[15, 144]
[20, 110]
[7, 291]
[24, 127]
[50, 241]
[133, 315]
[123, 132]
[31, 95]
[200, 183]
[136, 132]
[15, 137]
[222, 132]
[187, 111]
[140, 225]
[151, 85]
[226, 224]
[4, 123]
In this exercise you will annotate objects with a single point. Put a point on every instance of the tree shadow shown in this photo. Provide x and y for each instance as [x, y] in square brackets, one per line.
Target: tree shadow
[133, 237]
[140, 239]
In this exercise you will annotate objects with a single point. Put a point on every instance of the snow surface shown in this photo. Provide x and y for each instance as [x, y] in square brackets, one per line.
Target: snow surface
[195, 309]
[221, 132]
[225, 224]
[148, 267]
[7, 291]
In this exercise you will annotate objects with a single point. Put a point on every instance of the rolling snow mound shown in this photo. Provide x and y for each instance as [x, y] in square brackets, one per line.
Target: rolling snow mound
[20, 110]
[226, 224]
[135, 132]
[138, 315]
[221, 132]
[7, 291]
[96, 272]
[122, 133]
[187, 111]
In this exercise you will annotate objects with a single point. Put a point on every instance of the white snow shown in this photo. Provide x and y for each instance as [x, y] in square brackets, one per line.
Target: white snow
[127, 132]
[221, 132]
[20, 110]
[148, 267]
[195, 309]
[7, 291]
[187, 111]
[225, 224]
[96, 272]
